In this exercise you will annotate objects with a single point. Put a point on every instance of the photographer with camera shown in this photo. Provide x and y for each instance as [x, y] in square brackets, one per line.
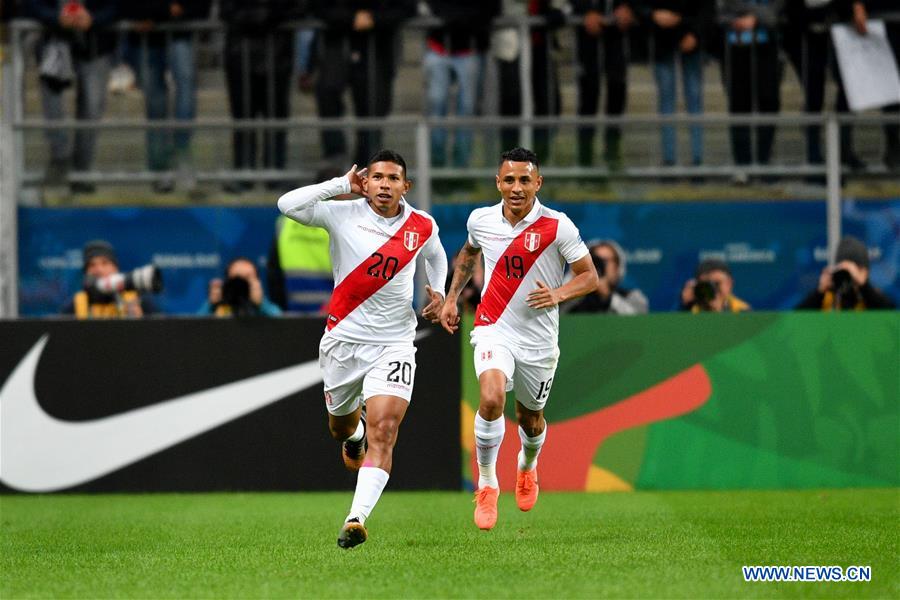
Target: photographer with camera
[240, 294]
[610, 297]
[845, 285]
[108, 293]
[711, 289]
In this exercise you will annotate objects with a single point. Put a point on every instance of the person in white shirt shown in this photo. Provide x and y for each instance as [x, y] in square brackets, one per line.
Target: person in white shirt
[526, 247]
[367, 354]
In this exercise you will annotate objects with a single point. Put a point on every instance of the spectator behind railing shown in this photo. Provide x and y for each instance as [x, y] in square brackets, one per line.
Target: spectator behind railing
[751, 73]
[259, 59]
[240, 294]
[357, 48]
[891, 128]
[156, 53]
[679, 29]
[606, 23]
[75, 48]
[807, 43]
[846, 285]
[506, 47]
[455, 53]
[711, 289]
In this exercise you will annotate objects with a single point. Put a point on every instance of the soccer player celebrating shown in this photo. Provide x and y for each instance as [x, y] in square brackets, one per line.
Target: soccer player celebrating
[367, 355]
[526, 247]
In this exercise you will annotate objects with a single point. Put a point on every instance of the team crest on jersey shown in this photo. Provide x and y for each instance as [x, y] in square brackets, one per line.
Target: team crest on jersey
[532, 241]
[410, 240]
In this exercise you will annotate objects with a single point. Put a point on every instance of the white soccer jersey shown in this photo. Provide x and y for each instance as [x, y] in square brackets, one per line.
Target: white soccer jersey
[373, 259]
[538, 247]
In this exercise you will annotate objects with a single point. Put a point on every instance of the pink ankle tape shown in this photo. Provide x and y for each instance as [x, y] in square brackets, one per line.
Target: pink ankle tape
[368, 463]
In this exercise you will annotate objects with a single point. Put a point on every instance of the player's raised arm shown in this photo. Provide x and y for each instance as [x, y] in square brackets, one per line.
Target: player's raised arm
[584, 282]
[300, 204]
[465, 266]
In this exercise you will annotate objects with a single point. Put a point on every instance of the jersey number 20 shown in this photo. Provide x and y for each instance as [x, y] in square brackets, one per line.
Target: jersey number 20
[383, 267]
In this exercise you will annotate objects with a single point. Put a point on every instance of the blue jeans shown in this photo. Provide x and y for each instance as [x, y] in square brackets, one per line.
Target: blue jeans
[163, 145]
[440, 72]
[91, 77]
[692, 82]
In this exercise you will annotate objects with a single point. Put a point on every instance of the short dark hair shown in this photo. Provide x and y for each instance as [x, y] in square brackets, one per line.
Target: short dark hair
[520, 155]
[854, 250]
[708, 265]
[238, 259]
[386, 155]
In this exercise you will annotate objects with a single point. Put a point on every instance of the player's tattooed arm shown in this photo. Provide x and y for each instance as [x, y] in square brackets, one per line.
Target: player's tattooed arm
[462, 273]
[465, 267]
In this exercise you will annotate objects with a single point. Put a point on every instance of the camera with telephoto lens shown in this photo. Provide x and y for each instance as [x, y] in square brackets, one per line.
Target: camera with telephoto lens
[236, 294]
[704, 292]
[142, 279]
[845, 292]
[599, 264]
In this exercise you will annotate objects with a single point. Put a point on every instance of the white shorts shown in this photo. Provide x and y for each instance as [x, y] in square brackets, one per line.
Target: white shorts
[528, 372]
[354, 372]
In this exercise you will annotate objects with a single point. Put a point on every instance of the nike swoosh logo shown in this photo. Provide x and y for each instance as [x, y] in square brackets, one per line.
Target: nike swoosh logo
[44, 454]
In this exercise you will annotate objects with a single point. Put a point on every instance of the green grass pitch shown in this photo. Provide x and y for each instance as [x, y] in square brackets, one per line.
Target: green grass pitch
[424, 545]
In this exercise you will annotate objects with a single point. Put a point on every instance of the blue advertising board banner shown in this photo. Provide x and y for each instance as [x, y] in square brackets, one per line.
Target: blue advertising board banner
[776, 250]
[190, 245]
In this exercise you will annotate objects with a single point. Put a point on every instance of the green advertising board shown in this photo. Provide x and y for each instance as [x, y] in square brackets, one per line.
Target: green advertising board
[710, 401]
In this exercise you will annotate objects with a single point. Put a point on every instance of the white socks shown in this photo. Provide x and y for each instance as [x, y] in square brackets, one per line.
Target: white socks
[359, 433]
[488, 435]
[369, 484]
[531, 447]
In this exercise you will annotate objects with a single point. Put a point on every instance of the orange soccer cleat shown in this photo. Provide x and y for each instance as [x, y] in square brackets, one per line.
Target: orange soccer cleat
[526, 489]
[353, 533]
[486, 507]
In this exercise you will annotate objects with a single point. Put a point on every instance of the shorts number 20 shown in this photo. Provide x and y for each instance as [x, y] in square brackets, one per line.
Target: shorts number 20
[402, 371]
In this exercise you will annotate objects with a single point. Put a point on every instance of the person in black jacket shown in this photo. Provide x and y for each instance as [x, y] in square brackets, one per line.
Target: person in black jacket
[156, 53]
[679, 30]
[259, 60]
[455, 53]
[846, 285]
[892, 127]
[75, 48]
[606, 23]
[506, 46]
[357, 48]
[751, 72]
[807, 43]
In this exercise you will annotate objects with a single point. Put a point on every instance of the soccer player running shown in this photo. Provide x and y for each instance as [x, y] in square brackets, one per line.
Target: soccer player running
[367, 355]
[526, 247]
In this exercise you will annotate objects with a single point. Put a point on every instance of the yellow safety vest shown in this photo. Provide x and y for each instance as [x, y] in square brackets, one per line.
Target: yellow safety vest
[305, 260]
[110, 310]
[732, 304]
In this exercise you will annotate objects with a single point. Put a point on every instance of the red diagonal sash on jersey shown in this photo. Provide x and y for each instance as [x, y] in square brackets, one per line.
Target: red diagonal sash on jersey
[373, 273]
[527, 246]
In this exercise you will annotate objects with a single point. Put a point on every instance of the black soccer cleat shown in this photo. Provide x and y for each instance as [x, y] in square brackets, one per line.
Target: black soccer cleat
[354, 453]
[353, 533]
